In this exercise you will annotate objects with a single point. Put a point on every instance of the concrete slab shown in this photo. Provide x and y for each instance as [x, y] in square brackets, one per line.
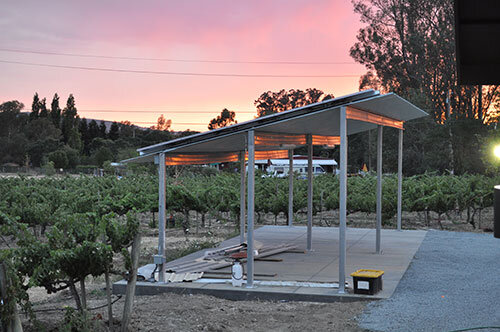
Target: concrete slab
[317, 266]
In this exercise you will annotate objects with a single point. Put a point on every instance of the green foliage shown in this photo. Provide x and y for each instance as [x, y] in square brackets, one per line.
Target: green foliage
[102, 155]
[59, 158]
[226, 118]
[89, 219]
[49, 168]
[28, 139]
[15, 291]
[408, 48]
[273, 102]
[81, 233]
[75, 321]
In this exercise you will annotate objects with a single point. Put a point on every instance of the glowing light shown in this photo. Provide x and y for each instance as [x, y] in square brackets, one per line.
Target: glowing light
[496, 151]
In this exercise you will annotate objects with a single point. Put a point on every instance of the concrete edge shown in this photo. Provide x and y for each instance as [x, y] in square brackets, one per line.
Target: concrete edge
[143, 289]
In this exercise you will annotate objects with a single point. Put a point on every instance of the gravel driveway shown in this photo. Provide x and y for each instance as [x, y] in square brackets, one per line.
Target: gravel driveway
[452, 283]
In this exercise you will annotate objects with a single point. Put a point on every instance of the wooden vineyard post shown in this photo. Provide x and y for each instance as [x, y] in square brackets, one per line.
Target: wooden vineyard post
[108, 298]
[13, 323]
[132, 280]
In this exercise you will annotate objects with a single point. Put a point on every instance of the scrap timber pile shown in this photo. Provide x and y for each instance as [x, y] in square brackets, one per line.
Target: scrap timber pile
[213, 261]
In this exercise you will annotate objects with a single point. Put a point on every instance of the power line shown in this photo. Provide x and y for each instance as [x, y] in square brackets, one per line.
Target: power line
[178, 60]
[172, 73]
[159, 112]
[156, 112]
[173, 123]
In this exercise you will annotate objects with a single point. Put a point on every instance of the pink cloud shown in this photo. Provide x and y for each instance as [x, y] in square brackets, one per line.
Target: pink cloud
[292, 30]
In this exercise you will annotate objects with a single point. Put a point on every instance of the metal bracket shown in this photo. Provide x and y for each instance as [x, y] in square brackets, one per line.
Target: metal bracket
[159, 259]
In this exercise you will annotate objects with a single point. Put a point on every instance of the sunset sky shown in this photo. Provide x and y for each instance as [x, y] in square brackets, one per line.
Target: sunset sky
[232, 31]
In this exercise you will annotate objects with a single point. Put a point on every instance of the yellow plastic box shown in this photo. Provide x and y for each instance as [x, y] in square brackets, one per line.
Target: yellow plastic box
[367, 281]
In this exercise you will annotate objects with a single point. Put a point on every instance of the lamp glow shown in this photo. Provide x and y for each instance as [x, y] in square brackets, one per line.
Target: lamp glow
[496, 151]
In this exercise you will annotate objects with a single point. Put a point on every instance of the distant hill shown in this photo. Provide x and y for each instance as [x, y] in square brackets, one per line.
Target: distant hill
[109, 123]
[106, 122]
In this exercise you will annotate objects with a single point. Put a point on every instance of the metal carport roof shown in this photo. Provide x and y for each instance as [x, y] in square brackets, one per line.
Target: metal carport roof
[327, 122]
[318, 119]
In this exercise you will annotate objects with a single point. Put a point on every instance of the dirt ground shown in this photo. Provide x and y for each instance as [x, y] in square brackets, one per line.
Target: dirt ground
[171, 312]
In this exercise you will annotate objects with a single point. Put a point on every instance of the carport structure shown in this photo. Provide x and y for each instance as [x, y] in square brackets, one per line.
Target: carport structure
[327, 123]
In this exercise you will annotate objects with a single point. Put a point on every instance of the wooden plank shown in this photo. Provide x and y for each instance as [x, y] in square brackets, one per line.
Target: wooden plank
[271, 275]
[204, 266]
[264, 259]
[295, 251]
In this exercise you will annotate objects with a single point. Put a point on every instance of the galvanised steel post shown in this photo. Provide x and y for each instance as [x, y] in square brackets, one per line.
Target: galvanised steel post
[342, 198]
[379, 189]
[309, 191]
[251, 207]
[400, 177]
[290, 187]
[161, 215]
[242, 196]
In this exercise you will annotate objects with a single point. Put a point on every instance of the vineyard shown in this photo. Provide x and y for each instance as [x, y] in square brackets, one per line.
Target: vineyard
[56, 231]
[41, 203]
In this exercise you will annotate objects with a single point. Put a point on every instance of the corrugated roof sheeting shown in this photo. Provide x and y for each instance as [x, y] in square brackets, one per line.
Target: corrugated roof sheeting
[258, 122]
[366, 110]
[284, 141]
[221, 157]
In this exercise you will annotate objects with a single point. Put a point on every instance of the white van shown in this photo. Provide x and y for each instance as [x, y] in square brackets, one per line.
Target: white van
[283, 170]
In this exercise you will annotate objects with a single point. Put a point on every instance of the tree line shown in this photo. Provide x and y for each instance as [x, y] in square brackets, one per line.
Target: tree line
[57, 135]
[408, 47]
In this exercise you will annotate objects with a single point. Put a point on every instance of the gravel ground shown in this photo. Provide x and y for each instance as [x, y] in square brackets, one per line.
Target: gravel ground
[452, 283]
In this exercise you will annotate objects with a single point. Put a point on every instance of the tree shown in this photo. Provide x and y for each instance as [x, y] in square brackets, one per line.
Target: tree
[44, 113]
[273, 102]
[93, 131]
[102, 129]
[35, 107]
[55, 111]
[73, 156]
[162, 124]
[38, 150]
[408, 47]
[10, 112]
[70, 118]
[13, 148]
[226, 118]
[114, 131]
[83, 128]
[59, 158]
[103, 154]
[74, 139]
[41, 128]
[127, 129]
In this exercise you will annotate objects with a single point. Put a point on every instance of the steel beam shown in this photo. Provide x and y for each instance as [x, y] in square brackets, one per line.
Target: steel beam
[342, 198]
[290, 187]
[379, 189]
[309, 190]
[161, 215]
[400, 177]
[251, 207]
[242, 196]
